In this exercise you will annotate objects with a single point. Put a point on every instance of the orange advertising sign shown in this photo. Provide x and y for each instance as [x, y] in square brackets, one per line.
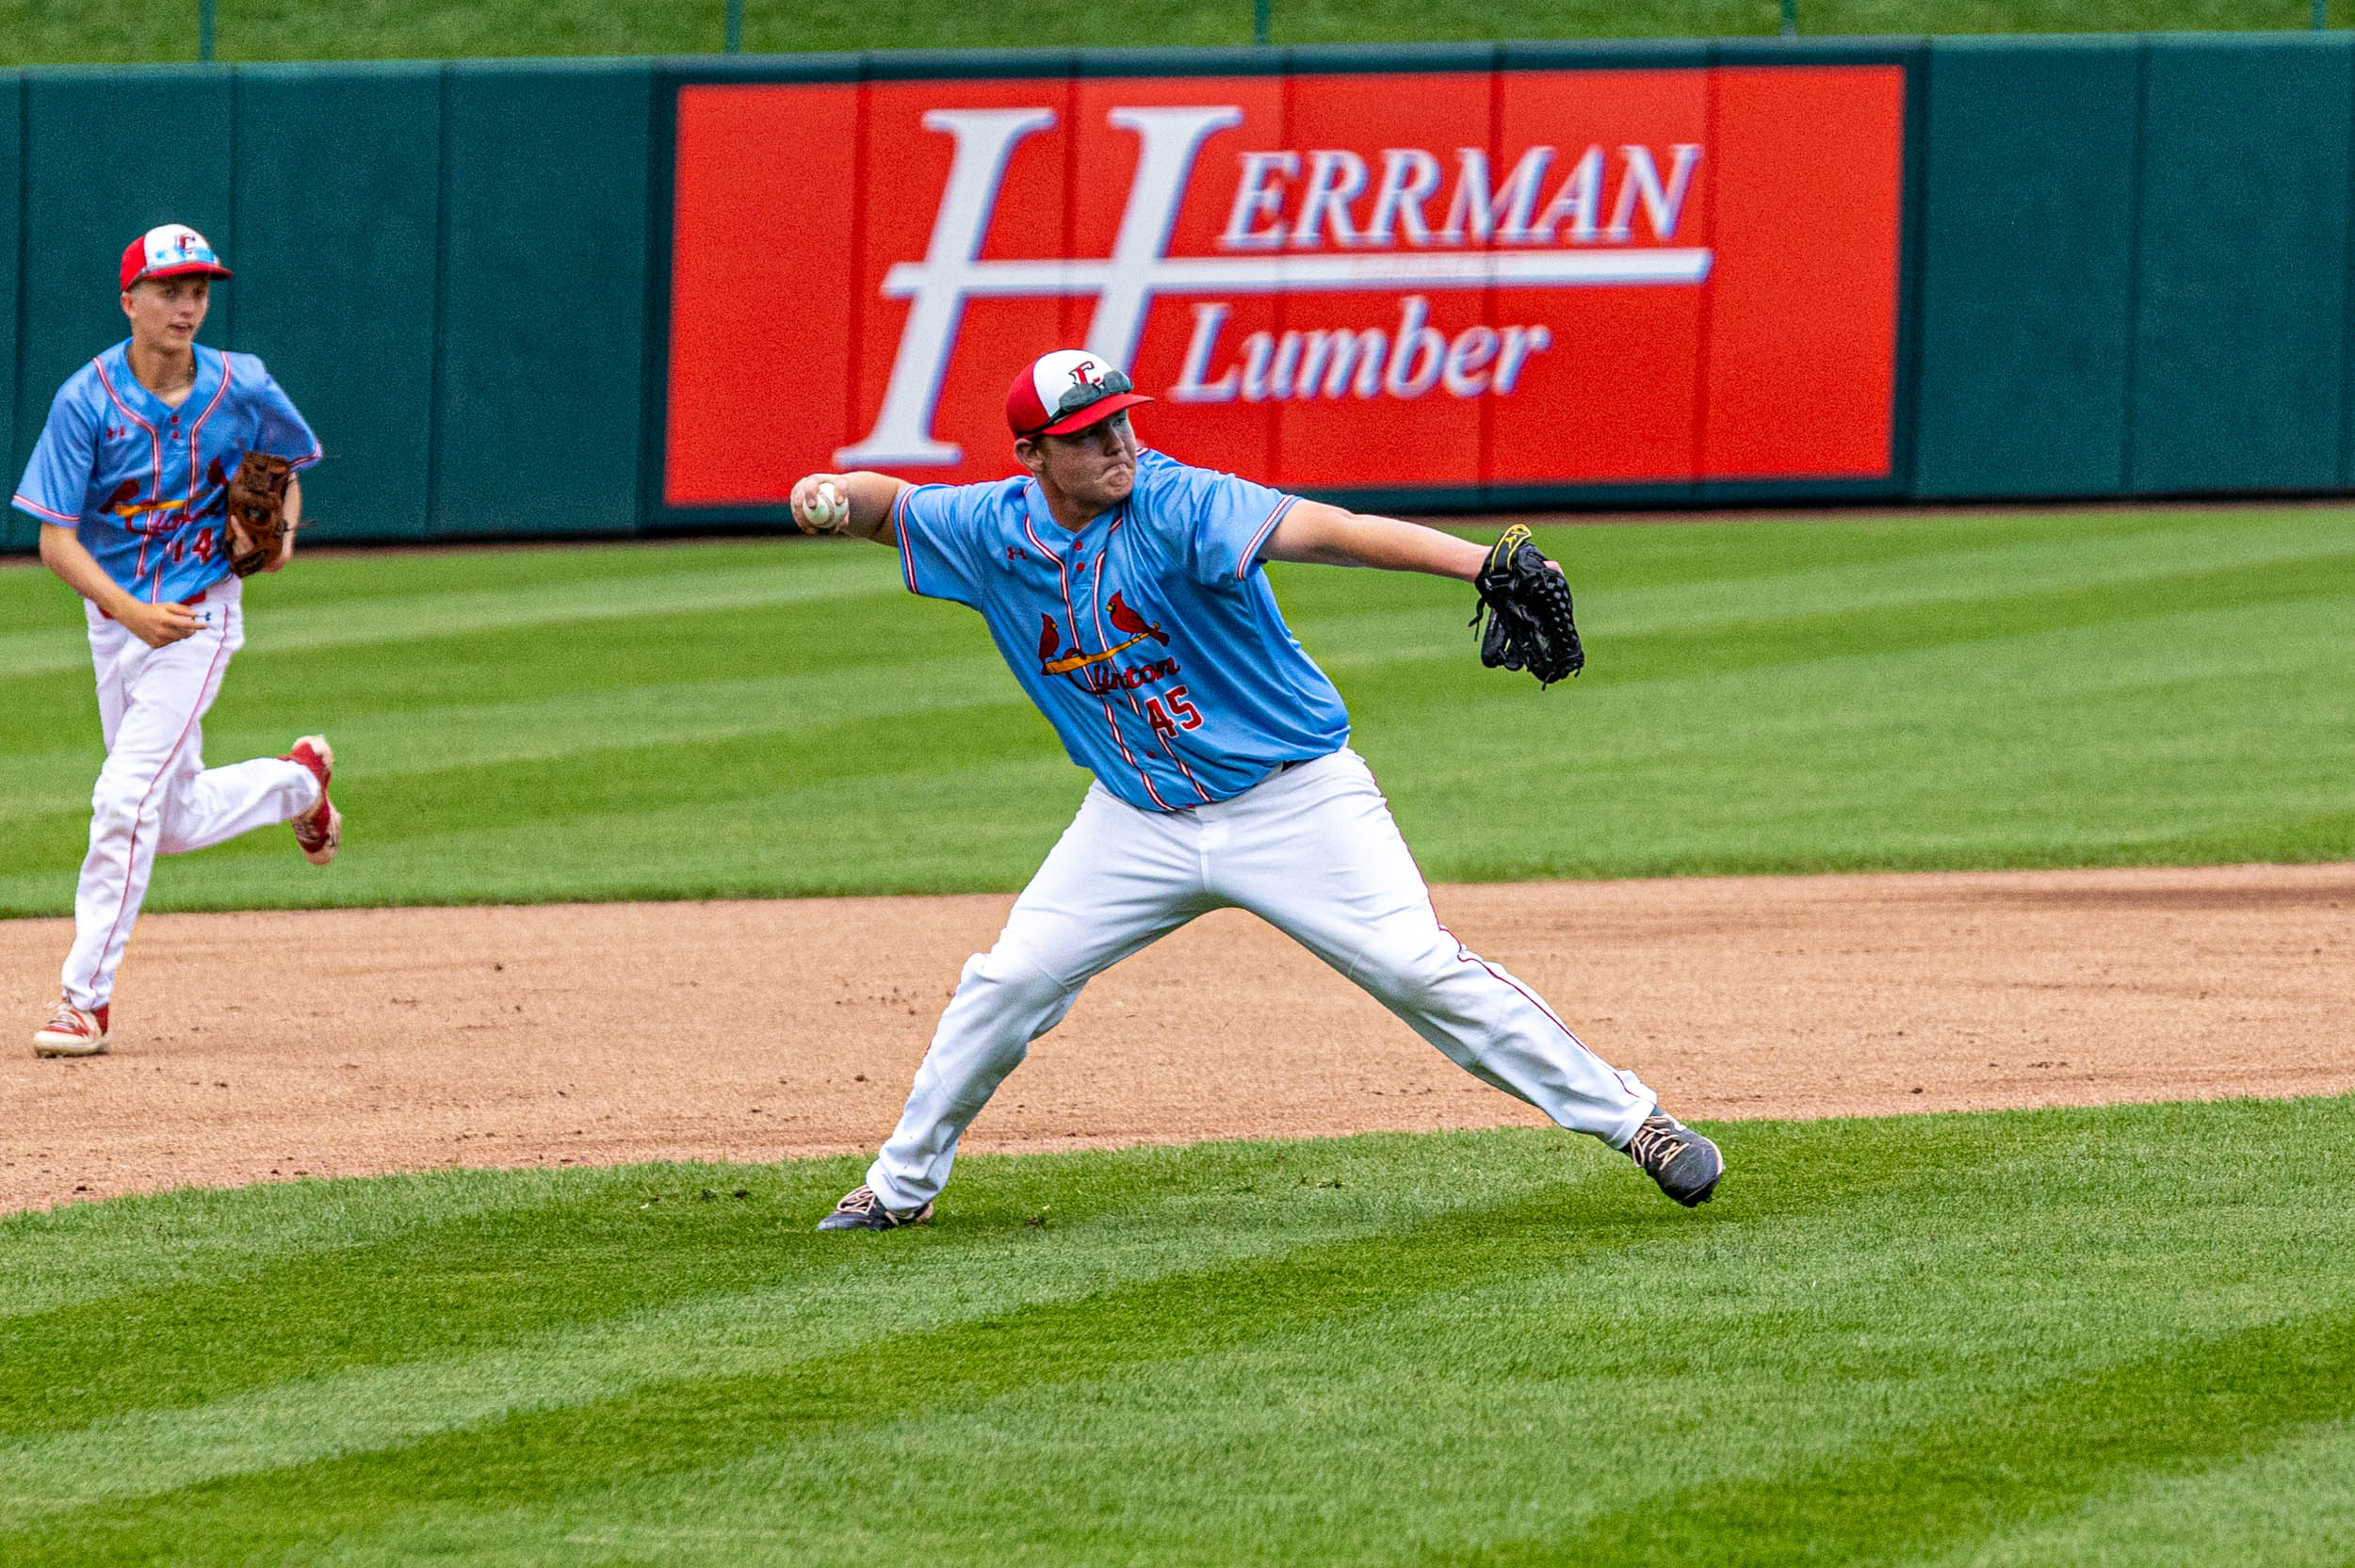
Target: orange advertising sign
[1421, 281]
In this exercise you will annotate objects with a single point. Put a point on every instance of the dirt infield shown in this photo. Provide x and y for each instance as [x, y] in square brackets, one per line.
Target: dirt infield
[402, 1040]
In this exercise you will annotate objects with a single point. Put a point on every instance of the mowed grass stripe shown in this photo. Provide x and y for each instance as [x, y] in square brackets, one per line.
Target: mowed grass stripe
[2104, 767]
[504, 1275]
[1985, 571]
[610, 1349]
[2116, 757]
[2052, 748]
[2286, 1506]
[936, 832]
[1772, 633]
[1525, 1402]
[806, 572]
[546, 728]
[679, 1426]
[549, 729]
[1495, 1367]
[64, 1258]
[394, 619]
[2008, 572]
[2207, 1402]
[2066, 748]
[556, 727]
[277, 1360]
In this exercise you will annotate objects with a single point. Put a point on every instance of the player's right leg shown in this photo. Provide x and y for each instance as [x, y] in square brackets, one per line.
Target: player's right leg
[1118, 879]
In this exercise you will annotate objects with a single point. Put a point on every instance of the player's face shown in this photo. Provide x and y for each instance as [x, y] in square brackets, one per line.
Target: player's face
[166, 311]
[1094, 469]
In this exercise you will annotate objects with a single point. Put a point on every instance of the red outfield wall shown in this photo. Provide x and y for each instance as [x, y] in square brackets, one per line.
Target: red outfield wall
[1428, 282]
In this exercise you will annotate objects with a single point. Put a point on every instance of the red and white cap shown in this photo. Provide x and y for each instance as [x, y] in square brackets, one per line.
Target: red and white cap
[1068, 390]
[170, 250]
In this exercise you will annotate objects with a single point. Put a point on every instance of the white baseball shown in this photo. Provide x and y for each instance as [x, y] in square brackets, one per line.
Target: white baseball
[824, 506]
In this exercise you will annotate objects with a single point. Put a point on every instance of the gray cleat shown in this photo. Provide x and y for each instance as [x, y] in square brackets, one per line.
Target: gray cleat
[1686, 1165]
[861, 1210]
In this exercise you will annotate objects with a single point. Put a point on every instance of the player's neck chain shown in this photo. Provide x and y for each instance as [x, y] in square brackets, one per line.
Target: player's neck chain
[170, 380]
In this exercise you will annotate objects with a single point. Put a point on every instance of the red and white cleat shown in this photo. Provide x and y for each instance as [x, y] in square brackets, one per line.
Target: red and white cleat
[73, 1033]
[318, 832]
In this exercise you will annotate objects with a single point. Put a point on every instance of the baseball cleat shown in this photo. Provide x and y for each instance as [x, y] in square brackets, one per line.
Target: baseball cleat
[319, 831]
[861, 1210]
[74, 1032]
[1686, 1165]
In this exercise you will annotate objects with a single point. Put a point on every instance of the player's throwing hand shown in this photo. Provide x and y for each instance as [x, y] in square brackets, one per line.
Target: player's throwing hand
[822, 503]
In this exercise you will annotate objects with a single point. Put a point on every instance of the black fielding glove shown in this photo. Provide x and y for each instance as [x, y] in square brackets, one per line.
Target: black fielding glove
[1528, 606]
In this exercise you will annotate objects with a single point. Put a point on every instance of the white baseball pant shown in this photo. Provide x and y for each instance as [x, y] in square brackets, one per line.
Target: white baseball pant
[1313, 851]
[155, 795]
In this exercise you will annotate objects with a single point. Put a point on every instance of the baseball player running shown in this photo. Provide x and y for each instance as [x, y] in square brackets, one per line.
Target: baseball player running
[1125, 591]
[140, 480]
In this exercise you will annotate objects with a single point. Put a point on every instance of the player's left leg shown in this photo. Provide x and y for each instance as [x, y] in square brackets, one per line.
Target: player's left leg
[204, 807]
[212, 805]
[1315, 853]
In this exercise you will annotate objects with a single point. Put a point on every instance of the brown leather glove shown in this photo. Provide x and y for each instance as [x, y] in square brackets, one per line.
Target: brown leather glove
[256, 525]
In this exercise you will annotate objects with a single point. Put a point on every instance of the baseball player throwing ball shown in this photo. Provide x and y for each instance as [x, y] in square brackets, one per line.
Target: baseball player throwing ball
[162, 477]
[1125, 591]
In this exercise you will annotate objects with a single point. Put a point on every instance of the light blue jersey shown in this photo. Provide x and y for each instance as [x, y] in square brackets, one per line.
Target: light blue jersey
[1149, 638]
[141, 483]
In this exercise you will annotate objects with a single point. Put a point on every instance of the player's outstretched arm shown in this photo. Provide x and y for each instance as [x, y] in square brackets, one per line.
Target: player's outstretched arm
[1330, 536]
[858, 504]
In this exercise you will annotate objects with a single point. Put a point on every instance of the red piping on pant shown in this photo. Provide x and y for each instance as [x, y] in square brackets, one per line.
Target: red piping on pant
[130, 855]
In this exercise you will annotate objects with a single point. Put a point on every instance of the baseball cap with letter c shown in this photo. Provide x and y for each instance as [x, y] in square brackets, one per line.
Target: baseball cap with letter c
[170, 251]
[1065, 391]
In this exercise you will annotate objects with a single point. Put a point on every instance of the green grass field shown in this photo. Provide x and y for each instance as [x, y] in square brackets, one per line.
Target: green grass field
[2122, 1337]
[2097, 687]
[43, 32]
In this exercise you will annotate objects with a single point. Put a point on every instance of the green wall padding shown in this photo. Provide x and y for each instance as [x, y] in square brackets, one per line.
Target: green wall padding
[337, 240]
[544, 299]
[2027, 284]
[2240, 337]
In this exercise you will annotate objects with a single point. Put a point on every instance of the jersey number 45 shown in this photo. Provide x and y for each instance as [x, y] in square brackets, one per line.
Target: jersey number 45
[1188, 716]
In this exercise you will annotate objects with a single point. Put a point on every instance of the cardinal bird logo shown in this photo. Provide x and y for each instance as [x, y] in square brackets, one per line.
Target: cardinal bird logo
[137, 515]
[1134, 624]
[1050, 641]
